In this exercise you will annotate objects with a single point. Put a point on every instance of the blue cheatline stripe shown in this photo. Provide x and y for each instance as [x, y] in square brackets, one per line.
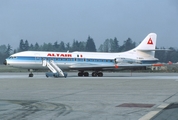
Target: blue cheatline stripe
[76, 60]
[67, 60]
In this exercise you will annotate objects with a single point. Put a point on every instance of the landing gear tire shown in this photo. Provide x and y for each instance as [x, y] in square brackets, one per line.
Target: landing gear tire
[94, 74]
[31, 75]
[100, 74]
[86, 74]
[80, 74]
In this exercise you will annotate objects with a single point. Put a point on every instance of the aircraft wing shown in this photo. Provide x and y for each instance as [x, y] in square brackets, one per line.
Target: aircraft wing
[85, 66]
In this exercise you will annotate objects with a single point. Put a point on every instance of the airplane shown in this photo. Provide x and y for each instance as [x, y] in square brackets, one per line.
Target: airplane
[141, 57]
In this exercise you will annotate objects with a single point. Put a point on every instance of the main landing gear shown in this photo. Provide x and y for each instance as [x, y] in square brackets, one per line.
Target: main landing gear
[94, 74]
[82, 73]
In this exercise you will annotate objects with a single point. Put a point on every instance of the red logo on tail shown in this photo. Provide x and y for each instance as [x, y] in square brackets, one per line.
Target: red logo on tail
[150, 41]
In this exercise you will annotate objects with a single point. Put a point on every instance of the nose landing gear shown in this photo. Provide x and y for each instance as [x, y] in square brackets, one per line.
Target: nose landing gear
[31, 74]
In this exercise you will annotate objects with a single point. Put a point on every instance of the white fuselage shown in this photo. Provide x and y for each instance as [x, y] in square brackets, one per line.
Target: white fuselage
[33, 59]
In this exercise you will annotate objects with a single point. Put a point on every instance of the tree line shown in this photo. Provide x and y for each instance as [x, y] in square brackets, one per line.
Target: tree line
[109, 45]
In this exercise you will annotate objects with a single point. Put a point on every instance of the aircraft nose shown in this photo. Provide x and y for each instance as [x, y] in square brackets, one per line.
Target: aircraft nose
[5, 62]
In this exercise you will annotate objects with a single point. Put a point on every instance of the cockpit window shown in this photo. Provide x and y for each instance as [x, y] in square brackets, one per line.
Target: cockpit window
[12, 57]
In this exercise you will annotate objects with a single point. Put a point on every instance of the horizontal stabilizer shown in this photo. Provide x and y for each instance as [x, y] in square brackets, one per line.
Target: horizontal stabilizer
[153, 49]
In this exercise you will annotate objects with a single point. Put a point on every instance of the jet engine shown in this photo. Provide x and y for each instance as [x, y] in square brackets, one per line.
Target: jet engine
[126, 60]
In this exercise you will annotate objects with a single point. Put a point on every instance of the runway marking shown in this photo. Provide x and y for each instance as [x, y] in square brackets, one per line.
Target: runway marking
[149, 115]
[153, 113]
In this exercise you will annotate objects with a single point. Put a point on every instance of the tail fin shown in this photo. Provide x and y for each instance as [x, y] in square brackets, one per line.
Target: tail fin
[146, 49]
[149, 43]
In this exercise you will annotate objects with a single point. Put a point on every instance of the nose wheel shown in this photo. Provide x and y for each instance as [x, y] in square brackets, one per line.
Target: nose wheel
[31, 74]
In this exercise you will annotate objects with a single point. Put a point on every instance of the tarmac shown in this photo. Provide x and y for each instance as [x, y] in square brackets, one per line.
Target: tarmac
[115, 96]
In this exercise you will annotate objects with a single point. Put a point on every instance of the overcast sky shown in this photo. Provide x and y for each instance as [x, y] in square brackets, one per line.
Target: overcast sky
[65, 20]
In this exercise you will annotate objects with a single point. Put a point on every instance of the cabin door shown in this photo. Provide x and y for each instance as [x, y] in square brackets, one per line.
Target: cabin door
[38, 59]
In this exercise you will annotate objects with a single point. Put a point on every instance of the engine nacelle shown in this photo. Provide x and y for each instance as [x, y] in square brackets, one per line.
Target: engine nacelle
[126, 60]
[118, 60]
